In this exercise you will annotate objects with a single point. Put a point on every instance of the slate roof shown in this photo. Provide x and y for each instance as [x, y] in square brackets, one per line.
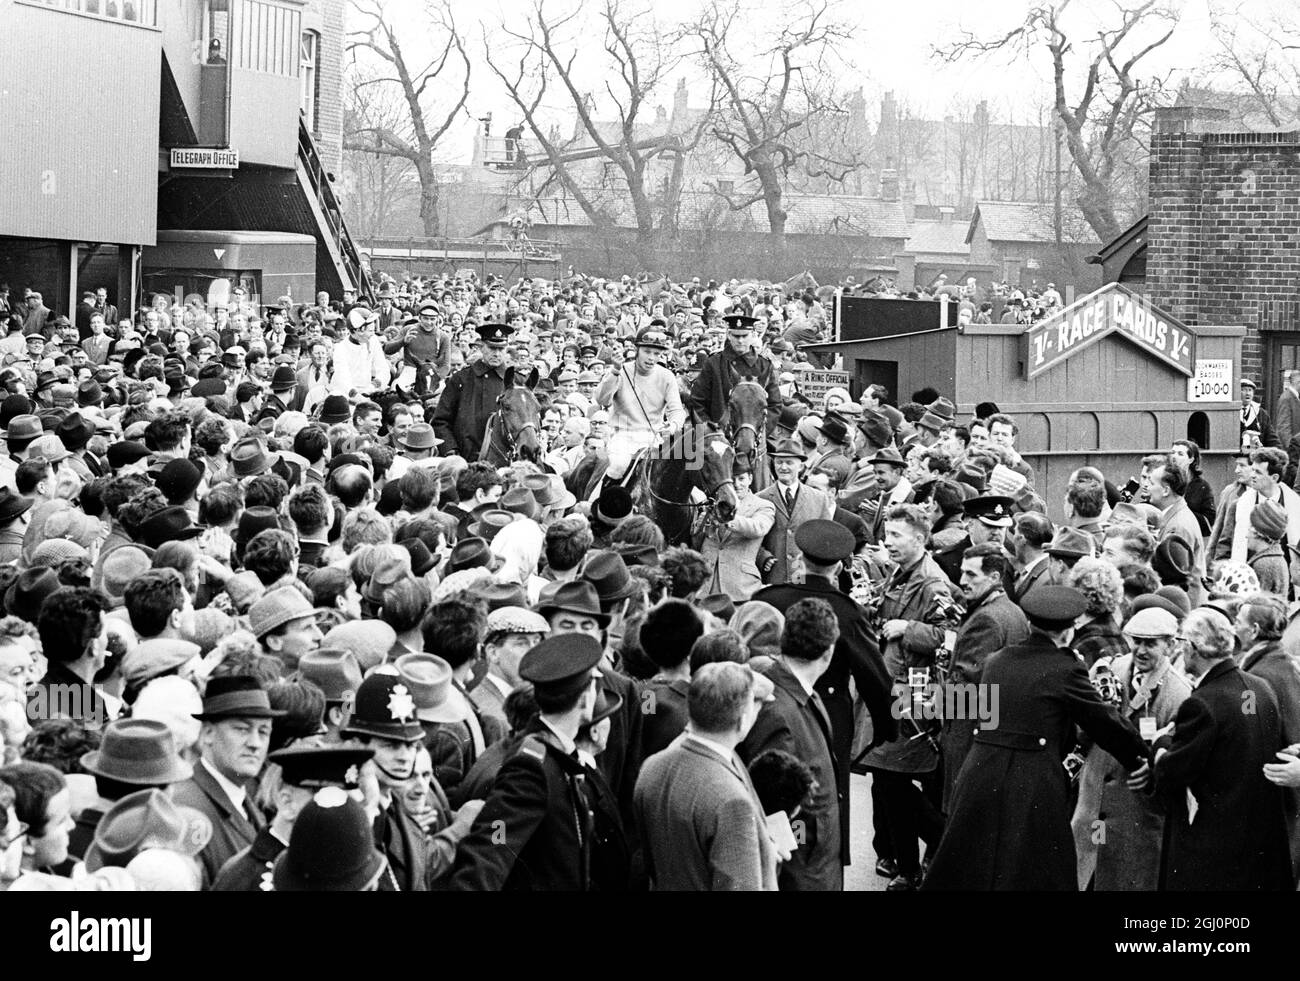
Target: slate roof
[1024, 221]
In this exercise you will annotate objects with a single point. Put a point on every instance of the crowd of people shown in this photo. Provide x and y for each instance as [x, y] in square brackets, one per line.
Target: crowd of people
[363, 595]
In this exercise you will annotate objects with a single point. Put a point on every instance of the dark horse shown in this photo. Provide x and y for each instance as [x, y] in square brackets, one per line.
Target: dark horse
[746, 426]
[511, 432]
[697, 458]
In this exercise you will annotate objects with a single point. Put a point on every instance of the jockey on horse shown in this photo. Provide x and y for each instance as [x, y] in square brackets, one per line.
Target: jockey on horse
[426, 348]
[643, 400]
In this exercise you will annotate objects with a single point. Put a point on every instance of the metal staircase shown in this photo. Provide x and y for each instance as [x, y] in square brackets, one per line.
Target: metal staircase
[332, 230]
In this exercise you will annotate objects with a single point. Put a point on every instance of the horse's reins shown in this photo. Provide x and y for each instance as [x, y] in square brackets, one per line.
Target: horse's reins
[511, 440]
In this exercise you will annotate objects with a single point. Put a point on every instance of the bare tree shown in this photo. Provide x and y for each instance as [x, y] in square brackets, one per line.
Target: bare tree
[770, 94]
[416, 137]
[1099, 120]
[1259, 55]
[634, 59]
[379, 185]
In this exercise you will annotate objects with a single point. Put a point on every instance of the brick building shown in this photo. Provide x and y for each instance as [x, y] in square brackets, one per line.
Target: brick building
[1222, 235]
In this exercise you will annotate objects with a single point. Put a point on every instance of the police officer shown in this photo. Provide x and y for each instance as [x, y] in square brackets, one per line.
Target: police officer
[303, 771]
[537, 828]
[720, 373]
[471, 394]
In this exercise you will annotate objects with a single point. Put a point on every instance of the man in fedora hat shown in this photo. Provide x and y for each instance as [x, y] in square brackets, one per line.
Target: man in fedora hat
[133, 755]
[383, 719]
[540, 800]
[14, 509]
[892, 488]
[283, 383]
[292, 784]
[233, 741]
[335, 672]
[831, 444]
[795, 502]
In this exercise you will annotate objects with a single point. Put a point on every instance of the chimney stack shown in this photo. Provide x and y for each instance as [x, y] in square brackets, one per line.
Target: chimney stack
[889, 185]
[945, 214]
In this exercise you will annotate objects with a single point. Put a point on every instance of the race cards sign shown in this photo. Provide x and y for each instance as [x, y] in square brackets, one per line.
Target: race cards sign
[1111, 309]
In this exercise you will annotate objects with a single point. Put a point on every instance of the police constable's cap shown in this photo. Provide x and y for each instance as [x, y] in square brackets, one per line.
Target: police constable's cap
[384, 707]
[1054, 607]
[824, 541]
[738, 321]
[322, 766]
[562, 666]
[991, 510]
[494, 335]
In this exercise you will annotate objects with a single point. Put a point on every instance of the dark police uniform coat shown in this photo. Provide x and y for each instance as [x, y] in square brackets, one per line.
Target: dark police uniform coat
[990, 625]
[1217, 751]
[535, 830]
[1010, 821]
[464, 407]
[250, 870]
[720, 373]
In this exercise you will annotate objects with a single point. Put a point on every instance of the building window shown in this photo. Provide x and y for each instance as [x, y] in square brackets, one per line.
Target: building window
[307, 65]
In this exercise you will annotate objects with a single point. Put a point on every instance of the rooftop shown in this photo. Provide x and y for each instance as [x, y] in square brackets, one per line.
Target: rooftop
[1024, 221]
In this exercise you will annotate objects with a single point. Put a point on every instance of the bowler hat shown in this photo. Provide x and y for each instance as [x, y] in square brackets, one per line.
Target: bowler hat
[331, 847]
[139, 752]
[254, 520]
[235, 696]
[178, 479]
[143, 820]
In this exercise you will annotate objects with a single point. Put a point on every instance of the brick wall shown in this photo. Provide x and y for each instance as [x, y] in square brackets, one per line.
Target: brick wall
[1224, 232]
[326, 17]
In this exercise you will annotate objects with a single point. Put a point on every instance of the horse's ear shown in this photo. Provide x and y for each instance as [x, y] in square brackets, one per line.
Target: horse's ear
[510, 377]
[534, 377]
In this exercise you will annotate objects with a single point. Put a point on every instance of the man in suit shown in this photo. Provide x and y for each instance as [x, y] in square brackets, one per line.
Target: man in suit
[1286, 421]
[703, 825]
[313, 379]
[991, 623]
[1168, 488]
[512, 631]
[535, 830]
[795, 503]
[1031, 533]
[796, 722]
[104, 308]
[234, 739]
[891, 488]
[826, 546]
[1226, 828]
[302, 771]
[384, 720]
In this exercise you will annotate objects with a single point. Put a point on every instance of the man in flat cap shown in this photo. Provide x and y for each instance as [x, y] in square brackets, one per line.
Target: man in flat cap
[512, 631]
[535, 830]
[1010, 822]
[299, 772]
[471, 394]
[1149, 691]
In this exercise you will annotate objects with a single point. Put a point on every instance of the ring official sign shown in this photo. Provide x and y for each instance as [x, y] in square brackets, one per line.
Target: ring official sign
[1113, 309]
[205, 158]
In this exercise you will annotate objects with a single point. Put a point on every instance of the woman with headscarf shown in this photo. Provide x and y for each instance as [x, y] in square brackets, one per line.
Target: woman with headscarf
[519, 546]
[760, 626]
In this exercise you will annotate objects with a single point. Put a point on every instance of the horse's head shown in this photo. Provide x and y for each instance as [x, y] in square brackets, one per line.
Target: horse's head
[747, 417]
[715, 474]
[520, 415]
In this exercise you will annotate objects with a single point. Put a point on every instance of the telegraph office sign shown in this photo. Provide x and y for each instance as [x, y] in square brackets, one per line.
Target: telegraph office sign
[1111, 309]
[205, 158]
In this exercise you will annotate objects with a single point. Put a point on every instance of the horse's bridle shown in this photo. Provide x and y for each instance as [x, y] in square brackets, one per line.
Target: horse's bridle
[510, 439]
[710, 496]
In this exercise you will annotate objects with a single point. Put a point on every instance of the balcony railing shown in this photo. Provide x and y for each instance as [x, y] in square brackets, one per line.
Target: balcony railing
[140, 13]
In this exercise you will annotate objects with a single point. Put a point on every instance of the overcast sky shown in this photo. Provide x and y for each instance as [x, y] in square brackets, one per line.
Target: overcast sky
[892, 52]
